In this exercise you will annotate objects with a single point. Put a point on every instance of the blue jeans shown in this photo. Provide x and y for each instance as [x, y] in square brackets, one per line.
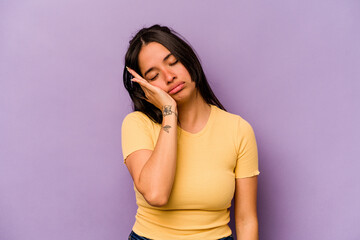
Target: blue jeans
[134, 236]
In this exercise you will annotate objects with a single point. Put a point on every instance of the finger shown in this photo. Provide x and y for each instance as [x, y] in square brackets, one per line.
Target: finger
[144, 83]
[135, 74]
[145, 90]
[145, 97]
[139, 80]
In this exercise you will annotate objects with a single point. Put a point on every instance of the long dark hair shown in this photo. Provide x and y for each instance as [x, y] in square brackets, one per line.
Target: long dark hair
[181, 50]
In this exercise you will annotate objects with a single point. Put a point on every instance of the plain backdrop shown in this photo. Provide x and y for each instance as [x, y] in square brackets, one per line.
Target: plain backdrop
[290, 68]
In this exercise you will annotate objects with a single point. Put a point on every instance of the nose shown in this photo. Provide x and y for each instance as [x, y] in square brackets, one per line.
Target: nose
[169, 76]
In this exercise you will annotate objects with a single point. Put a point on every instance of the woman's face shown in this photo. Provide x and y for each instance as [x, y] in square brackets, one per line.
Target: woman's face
[160, 68]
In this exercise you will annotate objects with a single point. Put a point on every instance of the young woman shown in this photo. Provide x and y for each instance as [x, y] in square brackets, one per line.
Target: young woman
[188, 156]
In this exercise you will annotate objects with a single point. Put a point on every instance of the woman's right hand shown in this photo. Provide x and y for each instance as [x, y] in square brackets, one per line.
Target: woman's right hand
[154, 95]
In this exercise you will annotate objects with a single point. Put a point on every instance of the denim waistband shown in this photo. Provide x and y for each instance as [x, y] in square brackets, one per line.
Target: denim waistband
[134, 236]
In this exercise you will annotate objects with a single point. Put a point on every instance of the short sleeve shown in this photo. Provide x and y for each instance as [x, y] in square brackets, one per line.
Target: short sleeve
[136, 133]
[247, 154]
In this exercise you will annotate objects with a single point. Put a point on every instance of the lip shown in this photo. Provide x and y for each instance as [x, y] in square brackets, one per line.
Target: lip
[176, 88]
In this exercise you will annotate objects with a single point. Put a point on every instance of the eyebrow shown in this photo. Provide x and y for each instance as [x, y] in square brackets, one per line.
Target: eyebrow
[150, 69]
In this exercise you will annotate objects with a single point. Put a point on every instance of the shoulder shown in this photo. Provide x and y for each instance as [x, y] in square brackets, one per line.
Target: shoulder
[137, 118]
[230, 117]
[233, 120]
[136, 115]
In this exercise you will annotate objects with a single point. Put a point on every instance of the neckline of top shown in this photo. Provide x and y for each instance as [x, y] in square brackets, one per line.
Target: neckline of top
[208, 123]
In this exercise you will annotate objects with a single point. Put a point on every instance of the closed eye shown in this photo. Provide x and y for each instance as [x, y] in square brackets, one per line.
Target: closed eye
[172, 64]
[154, 77]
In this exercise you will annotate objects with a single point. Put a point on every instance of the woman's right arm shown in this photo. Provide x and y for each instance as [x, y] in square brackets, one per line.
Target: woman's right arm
[153, 172]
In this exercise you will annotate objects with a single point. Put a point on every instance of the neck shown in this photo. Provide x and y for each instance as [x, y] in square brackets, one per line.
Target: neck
[193, 113]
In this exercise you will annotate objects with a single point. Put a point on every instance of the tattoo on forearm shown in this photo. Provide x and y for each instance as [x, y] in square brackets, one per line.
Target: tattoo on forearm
[167, 110]
[166, 128]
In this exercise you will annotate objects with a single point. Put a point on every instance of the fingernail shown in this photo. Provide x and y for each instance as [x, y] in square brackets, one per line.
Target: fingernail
[127, 68]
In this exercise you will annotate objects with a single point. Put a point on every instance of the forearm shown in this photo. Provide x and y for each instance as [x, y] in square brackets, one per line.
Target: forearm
[247, 230]
[157, 176]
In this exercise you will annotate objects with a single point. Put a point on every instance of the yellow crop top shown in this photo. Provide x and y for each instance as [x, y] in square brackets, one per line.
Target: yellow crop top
[207, 164]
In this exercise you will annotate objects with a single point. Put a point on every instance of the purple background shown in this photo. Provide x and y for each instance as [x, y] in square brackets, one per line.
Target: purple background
[291, 68]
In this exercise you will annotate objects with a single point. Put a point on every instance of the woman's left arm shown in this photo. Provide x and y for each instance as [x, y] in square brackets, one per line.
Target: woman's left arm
[245, 208]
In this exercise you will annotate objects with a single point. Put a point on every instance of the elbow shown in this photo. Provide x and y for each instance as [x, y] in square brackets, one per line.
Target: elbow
[156, 197]
[157, 200]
